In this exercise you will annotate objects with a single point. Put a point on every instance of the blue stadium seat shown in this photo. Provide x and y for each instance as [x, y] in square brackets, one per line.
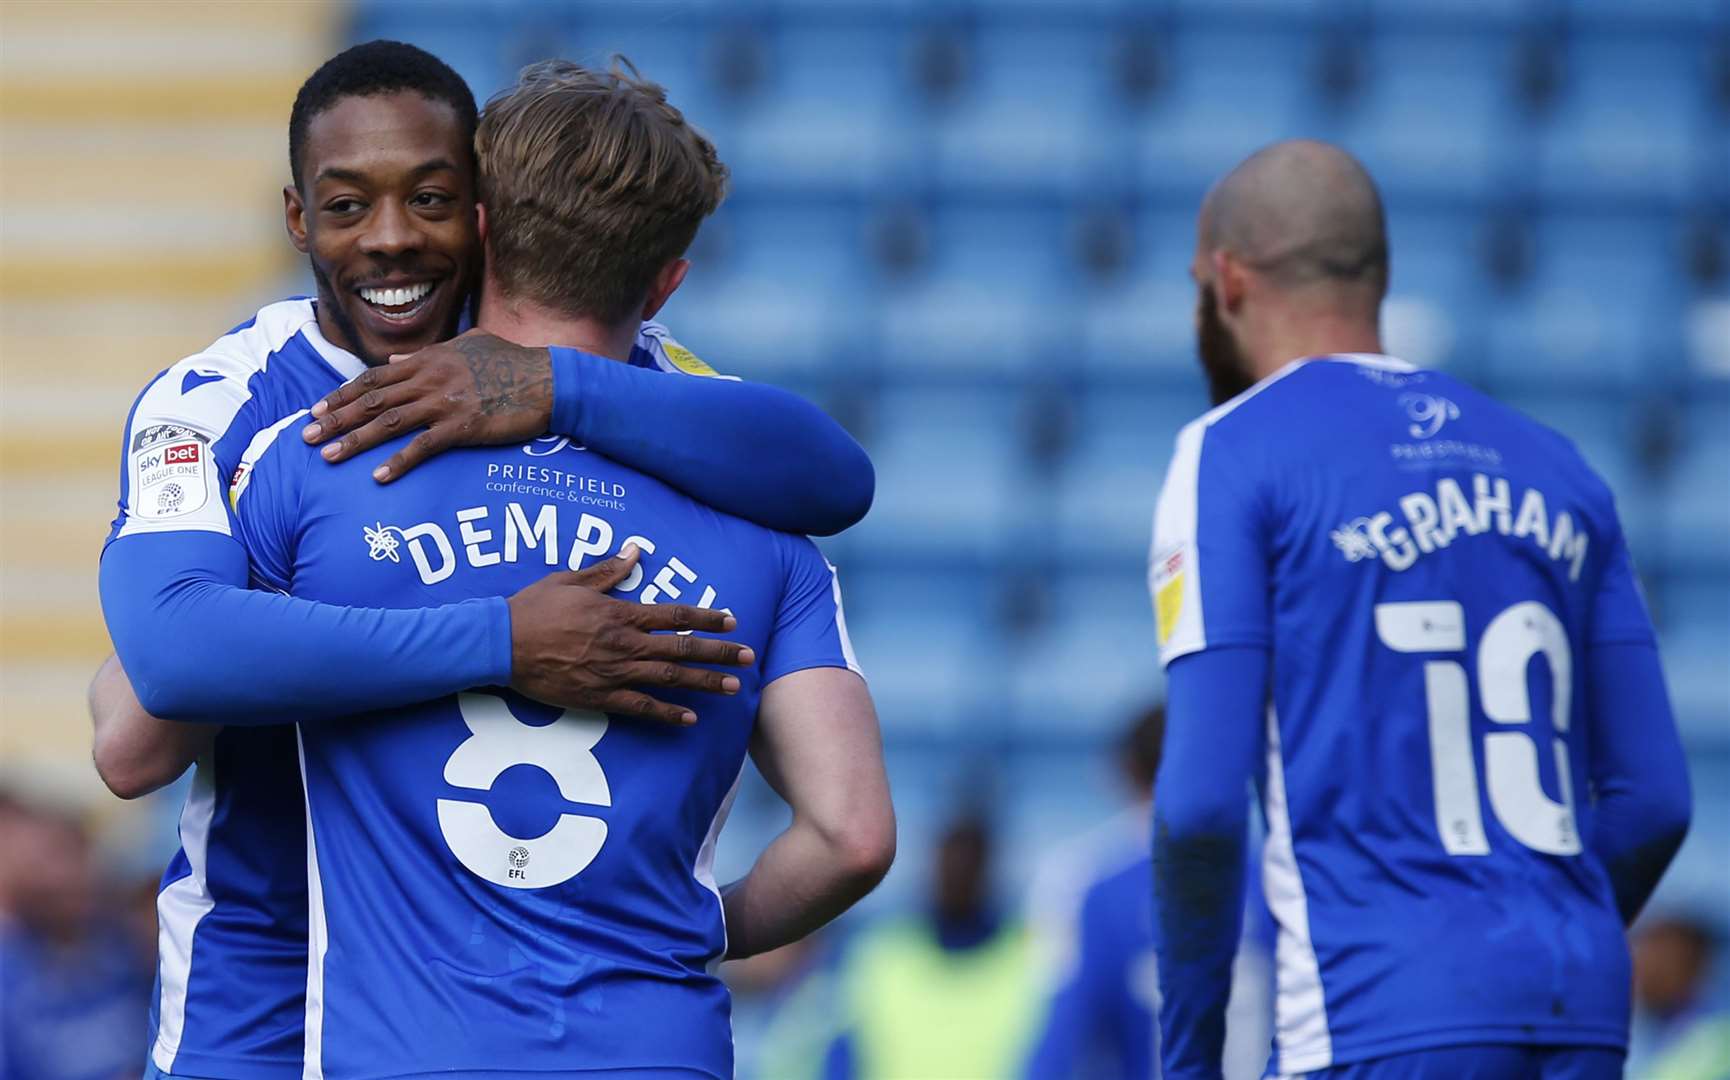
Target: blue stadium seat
[773, 290]
[1477, 13]
[1697, 526]
[835, 113]
[1677, 14]
[1436, 290]
[1433, 254]
[665, 47]
[1694, 631]
[973, 326]
[1630, 124]
[1699, 879]
[1232, 92]
[1709, 337]
[1143, 328]
[951, 472]
[1012, 242]
[1433, 118]
[1094, 660]
[1107, 485]
[988, 302]
[1037, 112]
[455, 33]
[809, 242]
[928, 644]
[1601, 306]
[767, 329]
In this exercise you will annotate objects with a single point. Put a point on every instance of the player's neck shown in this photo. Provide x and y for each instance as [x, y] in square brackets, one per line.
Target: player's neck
[527, 323]
[1319, 334]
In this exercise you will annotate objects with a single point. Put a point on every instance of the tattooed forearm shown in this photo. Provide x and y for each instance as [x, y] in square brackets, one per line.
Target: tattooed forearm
[507, 378]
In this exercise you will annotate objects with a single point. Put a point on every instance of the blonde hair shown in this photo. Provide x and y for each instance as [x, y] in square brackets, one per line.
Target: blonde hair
[592, 183]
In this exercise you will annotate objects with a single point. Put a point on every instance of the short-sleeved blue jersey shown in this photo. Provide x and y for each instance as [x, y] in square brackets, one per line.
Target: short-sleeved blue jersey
[231, 966]
[497, 886]
[1428, 569]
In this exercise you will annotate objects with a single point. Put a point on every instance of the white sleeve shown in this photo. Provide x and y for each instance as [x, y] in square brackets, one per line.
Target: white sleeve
[174, 477]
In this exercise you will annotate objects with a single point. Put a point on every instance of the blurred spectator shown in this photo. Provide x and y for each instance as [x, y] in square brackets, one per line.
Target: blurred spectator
[1680, 1033]
[784, 1011]
[1092, 910]
[74, 985]
[945, 996]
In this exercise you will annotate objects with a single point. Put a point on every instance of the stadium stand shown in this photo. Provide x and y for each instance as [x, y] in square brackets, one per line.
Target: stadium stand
[118, 260]
[968, 225]
[965, 227]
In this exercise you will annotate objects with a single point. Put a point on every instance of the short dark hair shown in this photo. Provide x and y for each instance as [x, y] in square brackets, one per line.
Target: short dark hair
[1142, 744]
[592, 182]
[372, 68]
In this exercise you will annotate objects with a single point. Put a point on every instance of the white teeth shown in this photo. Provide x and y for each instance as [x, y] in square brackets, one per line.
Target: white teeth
[396, 297]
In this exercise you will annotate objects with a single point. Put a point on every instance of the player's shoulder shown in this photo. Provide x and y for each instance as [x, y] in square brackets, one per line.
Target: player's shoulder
[206, 390]
[274, 448]
[1241, 418]
[1557, 449]
[1090, 862]
[1253, 418]
[247, 349]
[657, 348]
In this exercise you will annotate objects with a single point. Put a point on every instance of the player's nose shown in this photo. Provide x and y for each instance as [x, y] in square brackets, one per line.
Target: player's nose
[391, 231]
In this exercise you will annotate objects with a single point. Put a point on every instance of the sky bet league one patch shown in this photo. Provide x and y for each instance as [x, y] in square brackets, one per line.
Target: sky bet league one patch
[170, 467]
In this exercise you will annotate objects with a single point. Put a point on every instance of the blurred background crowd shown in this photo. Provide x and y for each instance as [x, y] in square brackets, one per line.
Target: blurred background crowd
[963, 226]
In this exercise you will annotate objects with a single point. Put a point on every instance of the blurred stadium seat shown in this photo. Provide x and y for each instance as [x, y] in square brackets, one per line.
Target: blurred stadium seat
[1434, 120]
[1629, 122]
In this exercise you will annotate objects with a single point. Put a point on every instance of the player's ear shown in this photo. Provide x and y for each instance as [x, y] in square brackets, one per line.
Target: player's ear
[667, 282]
[294, 216]
[481, 221]
[1229, 281]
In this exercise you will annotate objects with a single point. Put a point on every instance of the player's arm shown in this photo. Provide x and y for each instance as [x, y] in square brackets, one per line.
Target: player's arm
[1215, 703]
[818, 746]
[135, 753]
[1641, 799]
[1210, 583]
[753, 450]
[200, 645]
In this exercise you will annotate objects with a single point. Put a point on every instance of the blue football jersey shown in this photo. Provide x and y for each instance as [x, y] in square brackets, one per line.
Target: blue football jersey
[1092, 906]
[232, 910]
[498, 886]
[1428, 569]
[231, 913]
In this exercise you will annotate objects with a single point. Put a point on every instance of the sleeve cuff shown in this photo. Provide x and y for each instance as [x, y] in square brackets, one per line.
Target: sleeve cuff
[485, 630]
[499, 622]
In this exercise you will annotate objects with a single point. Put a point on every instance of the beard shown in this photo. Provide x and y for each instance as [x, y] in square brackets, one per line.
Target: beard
[1222, 361]
[328, 302]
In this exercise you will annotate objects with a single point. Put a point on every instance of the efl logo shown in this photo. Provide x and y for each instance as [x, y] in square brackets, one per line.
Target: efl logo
[183, 454]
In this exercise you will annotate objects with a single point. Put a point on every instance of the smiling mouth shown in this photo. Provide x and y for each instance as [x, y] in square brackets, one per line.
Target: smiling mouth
[398, 303]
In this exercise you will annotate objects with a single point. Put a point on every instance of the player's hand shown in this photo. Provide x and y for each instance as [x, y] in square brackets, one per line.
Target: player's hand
[474, 390]
[573, 645]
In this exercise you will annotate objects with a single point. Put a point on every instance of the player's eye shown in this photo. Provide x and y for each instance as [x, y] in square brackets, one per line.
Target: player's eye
[428, 200]
[344, 205]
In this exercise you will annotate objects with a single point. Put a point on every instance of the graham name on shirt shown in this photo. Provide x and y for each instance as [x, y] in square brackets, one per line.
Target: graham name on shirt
[1433, 521]
[514, 536]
